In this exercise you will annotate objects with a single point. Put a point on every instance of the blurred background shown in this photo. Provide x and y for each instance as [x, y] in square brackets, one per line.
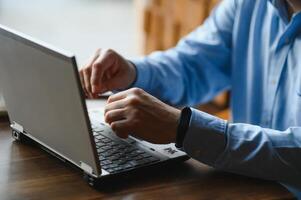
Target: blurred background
[79, 26]
[131, 27]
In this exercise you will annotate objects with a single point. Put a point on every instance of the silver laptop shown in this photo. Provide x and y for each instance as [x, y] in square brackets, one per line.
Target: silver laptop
[46, 105]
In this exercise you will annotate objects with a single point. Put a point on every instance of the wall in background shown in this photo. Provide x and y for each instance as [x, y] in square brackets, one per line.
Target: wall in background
[164, 22]
[79, 26]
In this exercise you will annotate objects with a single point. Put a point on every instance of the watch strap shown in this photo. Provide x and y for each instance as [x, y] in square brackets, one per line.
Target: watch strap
[183, 125]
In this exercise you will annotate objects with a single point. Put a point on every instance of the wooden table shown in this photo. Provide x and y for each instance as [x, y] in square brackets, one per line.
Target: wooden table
[27, 172]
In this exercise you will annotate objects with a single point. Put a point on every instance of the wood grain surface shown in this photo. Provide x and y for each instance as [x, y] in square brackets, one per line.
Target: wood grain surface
[28, 173]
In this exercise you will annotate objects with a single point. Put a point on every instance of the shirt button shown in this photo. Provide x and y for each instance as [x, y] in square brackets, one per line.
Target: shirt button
[273, 82]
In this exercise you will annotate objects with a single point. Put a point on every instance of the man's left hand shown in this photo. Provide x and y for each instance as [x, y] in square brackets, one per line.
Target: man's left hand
[135, 112]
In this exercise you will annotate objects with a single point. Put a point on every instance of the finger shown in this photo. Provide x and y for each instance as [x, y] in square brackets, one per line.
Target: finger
[99, 72]
[93, 58]
[111, 83]
[86, 75]
[118, 96]
[121, 128]
[81, 76]
[115, 115]
[107, 61]
[115, 105]
[94, 96]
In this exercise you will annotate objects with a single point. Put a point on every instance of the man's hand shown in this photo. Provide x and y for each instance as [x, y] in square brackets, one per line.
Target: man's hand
[106, 71]
[135, 112]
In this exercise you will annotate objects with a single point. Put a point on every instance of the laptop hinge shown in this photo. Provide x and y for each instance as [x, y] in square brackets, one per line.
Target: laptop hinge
[17, 127]
[86, 167]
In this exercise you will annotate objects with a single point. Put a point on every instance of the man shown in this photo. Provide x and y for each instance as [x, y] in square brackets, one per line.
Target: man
[252, 47]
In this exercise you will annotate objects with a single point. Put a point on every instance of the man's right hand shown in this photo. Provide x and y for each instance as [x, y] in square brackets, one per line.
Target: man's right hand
[106, 71]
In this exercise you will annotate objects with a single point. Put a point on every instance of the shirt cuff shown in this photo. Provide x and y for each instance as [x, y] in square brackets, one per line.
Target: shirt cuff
[143, 74]
[205, 139]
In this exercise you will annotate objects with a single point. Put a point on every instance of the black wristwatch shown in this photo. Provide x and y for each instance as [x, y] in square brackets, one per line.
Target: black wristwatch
[183, 125]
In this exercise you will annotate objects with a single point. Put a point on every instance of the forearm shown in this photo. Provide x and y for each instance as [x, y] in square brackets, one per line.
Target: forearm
[245, 149]
[181, 78]
[198, 68]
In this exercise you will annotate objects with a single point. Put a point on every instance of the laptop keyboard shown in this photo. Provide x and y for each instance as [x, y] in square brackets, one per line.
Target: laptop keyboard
[118, 155]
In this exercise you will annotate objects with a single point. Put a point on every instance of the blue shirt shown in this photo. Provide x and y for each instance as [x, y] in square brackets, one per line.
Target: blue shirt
[254, 49]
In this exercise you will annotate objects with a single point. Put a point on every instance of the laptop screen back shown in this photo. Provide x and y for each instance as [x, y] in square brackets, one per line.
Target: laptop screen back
[42, 93]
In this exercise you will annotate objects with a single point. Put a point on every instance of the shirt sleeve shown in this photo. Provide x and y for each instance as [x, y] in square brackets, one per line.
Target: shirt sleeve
[245, 149]
[198, 68]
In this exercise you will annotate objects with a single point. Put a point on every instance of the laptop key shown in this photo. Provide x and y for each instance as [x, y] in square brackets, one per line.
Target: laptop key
[127, 166]
[141, 162]
[117, 169]
[99, 137]
[110, 170]
[152, 159]
[116, 156]
[135, 163]
[105, 167]
[102, 158]
[99, 150]
[139, 157]
[106, 162]
[100, 144]
[145, 155]
[106, 140]
[138, 151]
[113, 165]
[130, 140]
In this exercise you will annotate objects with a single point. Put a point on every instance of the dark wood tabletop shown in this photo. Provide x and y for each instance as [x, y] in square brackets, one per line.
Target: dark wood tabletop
[27, 172]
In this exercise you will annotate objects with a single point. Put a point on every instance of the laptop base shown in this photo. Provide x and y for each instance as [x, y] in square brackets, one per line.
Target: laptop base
[102, 181]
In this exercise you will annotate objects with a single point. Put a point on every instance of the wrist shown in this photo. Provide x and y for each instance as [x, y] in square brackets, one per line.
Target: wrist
[172, 124]
[132, 74]
[176, 113]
